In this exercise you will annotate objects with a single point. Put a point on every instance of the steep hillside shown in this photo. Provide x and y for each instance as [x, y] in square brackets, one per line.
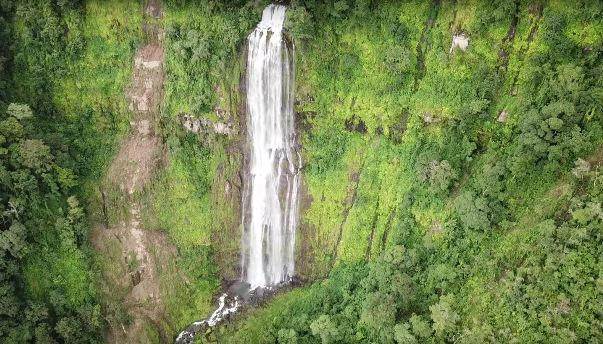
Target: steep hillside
[64, 66]
[454, 189]
[451, 181]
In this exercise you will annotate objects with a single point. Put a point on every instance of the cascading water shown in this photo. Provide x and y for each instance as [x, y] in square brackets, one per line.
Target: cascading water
[270, 202]
[270, 198]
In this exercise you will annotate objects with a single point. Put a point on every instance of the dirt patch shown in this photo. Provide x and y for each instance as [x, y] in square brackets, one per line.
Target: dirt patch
[135, 162]
[131, 254]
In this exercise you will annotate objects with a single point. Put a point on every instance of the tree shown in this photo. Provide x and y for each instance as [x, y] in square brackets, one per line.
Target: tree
[444, 318]
[402, 334]
[35, 154]
[325, 328]
[379, 311]
[420, 327]
[12, 241]
[287, 336]
[473, 211]
[299, 23]
[582, 168]
[441, 277]
[439, 175]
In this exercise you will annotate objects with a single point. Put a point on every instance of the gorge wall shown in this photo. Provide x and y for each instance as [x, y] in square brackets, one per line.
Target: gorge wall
[418, 123]
[450, 165]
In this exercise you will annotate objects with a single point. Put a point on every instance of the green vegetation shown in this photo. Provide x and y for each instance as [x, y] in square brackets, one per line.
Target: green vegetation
[446, 185]
[69, 61]
[203, 46]
[181, 195]
[187, 199]
[452, 196]
[178, 201]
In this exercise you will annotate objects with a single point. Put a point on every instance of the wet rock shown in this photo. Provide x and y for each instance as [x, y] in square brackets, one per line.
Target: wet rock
[239, 288]
[228, 305]
[136, 277]
[237, 296]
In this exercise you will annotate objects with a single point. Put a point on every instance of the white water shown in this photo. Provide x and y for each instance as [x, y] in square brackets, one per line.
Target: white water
[217, 316]
[270, 200]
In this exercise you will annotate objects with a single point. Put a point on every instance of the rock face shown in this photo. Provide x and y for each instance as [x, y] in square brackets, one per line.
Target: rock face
[502, 118]
[459, 41]
[202, 125]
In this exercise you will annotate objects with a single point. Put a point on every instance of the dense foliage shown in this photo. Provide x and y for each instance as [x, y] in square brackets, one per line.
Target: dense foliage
[456, 193]
[450, 195]
[52, 151]
[43, 230]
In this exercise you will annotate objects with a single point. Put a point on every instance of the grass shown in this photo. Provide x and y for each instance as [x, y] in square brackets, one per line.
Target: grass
[188, 284]
[178, 205]
[65, 269]
[92, 88]
[254, 326]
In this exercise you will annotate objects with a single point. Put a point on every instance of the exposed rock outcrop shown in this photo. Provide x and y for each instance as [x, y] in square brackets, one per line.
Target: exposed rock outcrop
[502, 118]
[201, 125]
[459, 41]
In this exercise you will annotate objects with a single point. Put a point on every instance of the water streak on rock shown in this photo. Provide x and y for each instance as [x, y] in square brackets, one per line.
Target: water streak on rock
[270, 199]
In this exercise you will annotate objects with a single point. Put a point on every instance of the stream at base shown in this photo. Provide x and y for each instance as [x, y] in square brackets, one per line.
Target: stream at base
[237, 297]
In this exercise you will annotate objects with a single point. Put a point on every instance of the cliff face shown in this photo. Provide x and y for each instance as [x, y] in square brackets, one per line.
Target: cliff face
[451, 153]
[134, 258]
[399, 106]
[402, 110]
[428, 130]
[168, 231]
[442, 145]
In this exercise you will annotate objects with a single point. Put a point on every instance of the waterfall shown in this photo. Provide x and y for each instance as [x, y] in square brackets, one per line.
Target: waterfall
[270, 199]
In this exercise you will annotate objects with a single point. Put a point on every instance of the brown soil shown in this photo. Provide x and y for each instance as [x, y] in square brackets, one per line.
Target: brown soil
[133, 254]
